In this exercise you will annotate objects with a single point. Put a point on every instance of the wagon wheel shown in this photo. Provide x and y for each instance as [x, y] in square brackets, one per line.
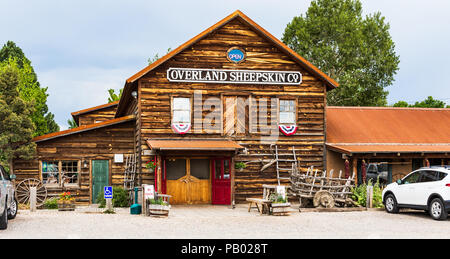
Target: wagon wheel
[23, 191]
[323, 199]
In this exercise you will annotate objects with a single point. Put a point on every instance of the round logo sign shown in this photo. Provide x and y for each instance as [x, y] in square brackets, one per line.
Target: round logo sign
[236, 55]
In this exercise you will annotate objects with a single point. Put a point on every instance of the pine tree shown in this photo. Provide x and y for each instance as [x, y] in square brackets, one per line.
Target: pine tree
[16, 127]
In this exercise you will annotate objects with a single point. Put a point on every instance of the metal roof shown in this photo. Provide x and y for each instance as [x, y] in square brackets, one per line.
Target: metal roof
[388, 129]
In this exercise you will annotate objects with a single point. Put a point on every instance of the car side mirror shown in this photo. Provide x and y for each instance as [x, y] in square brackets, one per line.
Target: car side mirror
[12, 177]
[399, 181]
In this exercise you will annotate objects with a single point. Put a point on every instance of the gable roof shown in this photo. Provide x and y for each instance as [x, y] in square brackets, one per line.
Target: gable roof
[76, 114]
[331, 84]
[388, 129]
[84, 128]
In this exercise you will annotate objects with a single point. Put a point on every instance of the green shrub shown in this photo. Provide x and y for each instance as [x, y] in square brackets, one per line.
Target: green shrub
[240, 165]
[51, 204]
[120, 198]
[360, 194]
[158, 201]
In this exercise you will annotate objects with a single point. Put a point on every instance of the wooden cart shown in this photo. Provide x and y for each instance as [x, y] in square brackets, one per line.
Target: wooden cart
[322, 190]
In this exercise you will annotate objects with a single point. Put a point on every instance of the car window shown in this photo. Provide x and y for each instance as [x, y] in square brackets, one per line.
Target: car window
[382, 167]
[412, 178]
[441, 175]
[428, 176]
[372, 168]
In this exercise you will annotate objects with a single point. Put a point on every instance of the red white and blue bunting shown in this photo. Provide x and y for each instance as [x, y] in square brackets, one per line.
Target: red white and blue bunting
[288, 130]
[181, 128]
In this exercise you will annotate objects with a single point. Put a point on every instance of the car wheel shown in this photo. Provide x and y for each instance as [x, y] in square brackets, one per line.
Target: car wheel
[390, 204]
[4, 218]
[12, 212]
[437, 210]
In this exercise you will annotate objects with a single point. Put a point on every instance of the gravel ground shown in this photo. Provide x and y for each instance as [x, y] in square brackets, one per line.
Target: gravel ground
[203, 222]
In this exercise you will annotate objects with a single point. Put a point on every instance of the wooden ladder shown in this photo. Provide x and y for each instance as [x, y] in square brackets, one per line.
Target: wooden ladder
[130, 174]
[285, 158]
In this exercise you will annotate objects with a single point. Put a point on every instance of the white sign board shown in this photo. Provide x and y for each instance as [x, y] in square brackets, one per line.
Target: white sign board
[118, 158]
[261, 77]
[149, 191]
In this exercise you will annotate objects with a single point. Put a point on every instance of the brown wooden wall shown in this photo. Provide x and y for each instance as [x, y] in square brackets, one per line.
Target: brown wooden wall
[100, 143]
[155, 93]
[96, 116]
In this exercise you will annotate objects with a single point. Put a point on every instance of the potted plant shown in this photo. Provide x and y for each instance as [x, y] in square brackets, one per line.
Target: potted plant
[280, 204]
[158, 207]
[66, 202]
[240, 166]
[151, 165]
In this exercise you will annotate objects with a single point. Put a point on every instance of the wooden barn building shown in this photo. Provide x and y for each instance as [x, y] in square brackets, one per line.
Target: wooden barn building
[233, 95]
[228, 95]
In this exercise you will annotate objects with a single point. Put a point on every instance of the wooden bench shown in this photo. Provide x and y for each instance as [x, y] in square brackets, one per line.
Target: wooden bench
[263, 205]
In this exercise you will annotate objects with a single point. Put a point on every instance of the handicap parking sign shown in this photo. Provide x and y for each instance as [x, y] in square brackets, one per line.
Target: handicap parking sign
[108, 191]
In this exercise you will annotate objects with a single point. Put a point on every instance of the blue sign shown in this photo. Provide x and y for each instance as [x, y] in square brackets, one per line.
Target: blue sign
[236, 55]
[108, 192]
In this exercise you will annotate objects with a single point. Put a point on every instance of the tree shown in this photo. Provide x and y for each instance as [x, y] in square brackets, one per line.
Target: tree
[156, 56]
[72, 123]
[357, 52]
[430, 102]
[29, 88]
[16, 127]
[113, 96]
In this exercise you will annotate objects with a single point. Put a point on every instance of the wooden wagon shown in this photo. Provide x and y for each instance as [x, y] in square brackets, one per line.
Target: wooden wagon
[320, 189]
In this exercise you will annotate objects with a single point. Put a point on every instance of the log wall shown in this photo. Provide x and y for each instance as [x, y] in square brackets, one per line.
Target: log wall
[100, 144]
[155, 93]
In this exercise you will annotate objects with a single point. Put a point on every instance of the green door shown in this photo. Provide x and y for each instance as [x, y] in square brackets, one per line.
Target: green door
[100, 177]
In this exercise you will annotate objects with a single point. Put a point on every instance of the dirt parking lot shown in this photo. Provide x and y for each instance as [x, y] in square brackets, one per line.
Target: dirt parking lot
[203, 222]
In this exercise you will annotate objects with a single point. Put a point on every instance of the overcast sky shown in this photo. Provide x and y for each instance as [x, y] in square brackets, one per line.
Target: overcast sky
[81, 48]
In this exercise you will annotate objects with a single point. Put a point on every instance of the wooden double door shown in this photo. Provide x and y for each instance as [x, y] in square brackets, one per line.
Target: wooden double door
[195, 181]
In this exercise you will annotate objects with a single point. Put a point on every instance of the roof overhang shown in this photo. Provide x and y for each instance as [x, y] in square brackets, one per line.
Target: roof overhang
[84, 128]
[76, 114]
[366, 148]
[193, 145]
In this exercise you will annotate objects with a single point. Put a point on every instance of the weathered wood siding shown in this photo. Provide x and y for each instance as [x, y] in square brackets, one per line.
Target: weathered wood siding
[155, 93]
[97, 116]
[100, 143]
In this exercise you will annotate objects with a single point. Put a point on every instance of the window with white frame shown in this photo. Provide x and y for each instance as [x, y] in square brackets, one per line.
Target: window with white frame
[287, 112]
[181, 110]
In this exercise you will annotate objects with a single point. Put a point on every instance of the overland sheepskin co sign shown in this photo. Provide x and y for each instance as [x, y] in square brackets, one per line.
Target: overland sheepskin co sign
[203, 75]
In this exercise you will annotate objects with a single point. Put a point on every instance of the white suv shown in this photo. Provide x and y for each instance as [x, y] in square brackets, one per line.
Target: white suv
[425, 189]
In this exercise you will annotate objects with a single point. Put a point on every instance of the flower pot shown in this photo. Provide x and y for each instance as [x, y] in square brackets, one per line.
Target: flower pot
[279, 209]
[158, 210]
[66, 205]
[151, 170]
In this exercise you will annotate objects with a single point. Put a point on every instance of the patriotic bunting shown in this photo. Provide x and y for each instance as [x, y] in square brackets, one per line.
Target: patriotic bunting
[181, 128]
[288, 130]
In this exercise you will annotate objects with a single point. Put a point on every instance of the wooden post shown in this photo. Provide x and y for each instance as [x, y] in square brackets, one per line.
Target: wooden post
[369, 198]
[355, 169]
[33, 195]
[233, 171]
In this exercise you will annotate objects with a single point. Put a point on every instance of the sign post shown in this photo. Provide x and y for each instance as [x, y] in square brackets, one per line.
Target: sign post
[108, 194]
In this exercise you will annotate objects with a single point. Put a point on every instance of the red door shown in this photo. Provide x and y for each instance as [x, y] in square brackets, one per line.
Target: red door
[221, 183]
